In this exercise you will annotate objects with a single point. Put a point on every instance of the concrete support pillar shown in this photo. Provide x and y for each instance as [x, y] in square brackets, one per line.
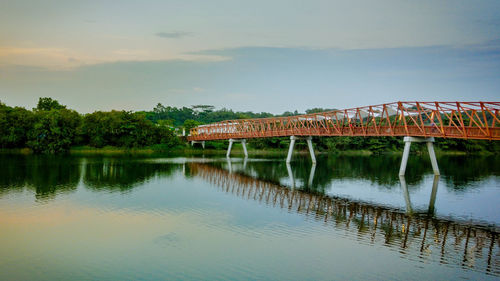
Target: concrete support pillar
[292, 144]
[311, 149]
[404, 161]
[229, 148]
[406, 153]
[243, 143]
[290, 149]
[432, 155]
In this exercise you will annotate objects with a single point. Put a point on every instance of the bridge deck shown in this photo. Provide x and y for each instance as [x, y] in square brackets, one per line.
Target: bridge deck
[466, 120]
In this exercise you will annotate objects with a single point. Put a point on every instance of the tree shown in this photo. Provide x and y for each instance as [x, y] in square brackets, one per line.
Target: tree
[125, 129]
[190, 123]
[317, 110]
[54, 130]
[48, 104]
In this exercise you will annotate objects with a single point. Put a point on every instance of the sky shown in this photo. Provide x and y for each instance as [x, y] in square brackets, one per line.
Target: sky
[271, 56]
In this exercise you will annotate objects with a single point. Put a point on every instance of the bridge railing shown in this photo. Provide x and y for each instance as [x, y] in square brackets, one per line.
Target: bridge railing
[468, 120]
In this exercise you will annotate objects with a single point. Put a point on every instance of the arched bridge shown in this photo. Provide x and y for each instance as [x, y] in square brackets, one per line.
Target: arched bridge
[416, 121]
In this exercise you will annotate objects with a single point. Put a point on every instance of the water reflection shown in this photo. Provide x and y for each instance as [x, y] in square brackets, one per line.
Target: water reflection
[49, 175]
[432, 200]
[299, 188]
[45, 175]
[292, 179]
[416, 236]
[117, 174]
[457, 171]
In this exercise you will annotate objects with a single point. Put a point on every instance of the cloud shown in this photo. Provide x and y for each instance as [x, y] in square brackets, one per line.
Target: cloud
[174, 34]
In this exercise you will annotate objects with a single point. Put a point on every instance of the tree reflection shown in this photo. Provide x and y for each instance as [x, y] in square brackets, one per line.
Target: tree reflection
[46, 175]
[116, 174]
[49, 175]
[382, 170]
[460, 171]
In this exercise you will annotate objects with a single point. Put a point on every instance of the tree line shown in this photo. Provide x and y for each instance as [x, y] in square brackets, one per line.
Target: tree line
[53, 128]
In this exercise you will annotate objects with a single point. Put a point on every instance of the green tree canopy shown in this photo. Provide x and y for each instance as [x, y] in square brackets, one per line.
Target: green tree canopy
[48, 104]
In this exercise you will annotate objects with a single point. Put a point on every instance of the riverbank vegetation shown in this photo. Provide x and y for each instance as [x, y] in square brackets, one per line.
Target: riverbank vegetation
[53, 128]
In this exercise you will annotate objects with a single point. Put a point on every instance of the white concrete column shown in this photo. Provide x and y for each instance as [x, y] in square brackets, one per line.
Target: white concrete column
[311, 149]
[432, 155]
[229, 148]
[404, 161]
[203, 144]
[244, 144]
[290, 149]
[406, 153]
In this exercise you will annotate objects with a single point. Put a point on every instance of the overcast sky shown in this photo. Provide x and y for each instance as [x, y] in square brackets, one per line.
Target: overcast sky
[247, 55]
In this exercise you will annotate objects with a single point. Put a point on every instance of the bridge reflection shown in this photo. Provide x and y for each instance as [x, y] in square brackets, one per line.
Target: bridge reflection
[422, 236]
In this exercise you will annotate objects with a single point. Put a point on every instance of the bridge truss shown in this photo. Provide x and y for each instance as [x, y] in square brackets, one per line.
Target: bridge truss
[416, 121]
[465, 120]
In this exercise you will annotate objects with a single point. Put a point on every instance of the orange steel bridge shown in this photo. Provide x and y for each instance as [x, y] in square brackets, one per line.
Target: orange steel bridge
[465, 120]
[415, 121]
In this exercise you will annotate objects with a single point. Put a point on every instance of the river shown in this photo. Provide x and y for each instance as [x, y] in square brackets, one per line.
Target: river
[207, 218]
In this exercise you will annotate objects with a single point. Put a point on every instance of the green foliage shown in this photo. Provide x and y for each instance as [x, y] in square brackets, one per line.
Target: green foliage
[48, 104]
[54, 130]
[15, 123]
[199, 113]
[316, 110]
[262, 143]
[469, 146]
[190, 123]
[125, 129]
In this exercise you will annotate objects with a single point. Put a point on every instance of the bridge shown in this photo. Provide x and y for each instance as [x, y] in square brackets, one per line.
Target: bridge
[415, 121]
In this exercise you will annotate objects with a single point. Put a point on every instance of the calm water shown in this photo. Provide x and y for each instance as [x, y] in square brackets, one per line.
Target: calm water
[134, 218]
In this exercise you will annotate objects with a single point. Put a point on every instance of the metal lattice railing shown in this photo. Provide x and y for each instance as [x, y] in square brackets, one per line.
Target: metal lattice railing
[465, 120]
